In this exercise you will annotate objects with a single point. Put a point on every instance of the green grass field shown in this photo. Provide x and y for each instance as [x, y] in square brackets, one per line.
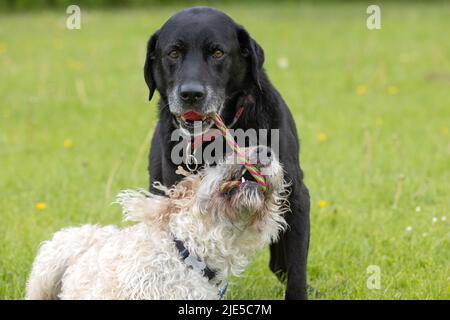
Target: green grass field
[372, 109]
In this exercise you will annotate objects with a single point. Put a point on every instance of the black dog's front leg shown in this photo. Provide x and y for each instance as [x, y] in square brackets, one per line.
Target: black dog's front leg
[289, 255]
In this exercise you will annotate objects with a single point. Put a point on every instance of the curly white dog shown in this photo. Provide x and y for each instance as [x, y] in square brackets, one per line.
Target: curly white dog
[185, 245]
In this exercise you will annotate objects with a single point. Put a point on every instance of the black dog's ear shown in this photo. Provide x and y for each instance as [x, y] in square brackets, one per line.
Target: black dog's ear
[251, 49]
[149, 61]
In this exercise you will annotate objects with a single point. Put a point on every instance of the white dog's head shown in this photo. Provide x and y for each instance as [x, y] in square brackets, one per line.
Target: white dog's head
[247, 204]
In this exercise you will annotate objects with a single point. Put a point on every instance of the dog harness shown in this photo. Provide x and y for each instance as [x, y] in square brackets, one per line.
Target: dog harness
[198, 265]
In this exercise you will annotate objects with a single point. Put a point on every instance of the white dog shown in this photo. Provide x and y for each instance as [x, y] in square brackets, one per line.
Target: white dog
[184, 246]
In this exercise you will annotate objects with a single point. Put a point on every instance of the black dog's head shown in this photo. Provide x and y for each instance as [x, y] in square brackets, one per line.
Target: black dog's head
[198, 59]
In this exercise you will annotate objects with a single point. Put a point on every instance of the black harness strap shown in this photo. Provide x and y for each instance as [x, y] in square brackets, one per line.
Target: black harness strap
[185, 254]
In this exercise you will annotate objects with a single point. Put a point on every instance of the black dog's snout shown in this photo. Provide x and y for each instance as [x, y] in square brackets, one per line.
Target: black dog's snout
[192, 92]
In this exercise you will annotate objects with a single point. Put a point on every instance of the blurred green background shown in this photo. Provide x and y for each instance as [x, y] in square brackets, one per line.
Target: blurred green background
[372, 109]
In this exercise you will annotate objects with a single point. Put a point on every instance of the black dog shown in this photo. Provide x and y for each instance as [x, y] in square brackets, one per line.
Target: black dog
[201, 61]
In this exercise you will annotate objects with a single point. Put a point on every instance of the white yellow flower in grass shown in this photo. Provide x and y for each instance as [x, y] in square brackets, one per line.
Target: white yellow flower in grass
[283, 62]
[361, 90]
[321, 137]
[68, 143]
[40, 206]
[3, 48]
[323, 203]
[379, 121]
[392, 90]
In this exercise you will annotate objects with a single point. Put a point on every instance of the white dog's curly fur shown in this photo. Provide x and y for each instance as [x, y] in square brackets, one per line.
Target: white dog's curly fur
[141, 262]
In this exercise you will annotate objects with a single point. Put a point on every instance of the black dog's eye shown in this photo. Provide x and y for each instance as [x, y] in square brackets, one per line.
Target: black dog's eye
[217, 54]
[174, 54]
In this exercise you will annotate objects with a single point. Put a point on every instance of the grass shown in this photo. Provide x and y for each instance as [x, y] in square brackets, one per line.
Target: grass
[372, 109]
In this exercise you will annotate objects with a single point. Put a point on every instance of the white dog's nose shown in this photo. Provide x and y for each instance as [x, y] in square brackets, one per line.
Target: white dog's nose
[261, 155]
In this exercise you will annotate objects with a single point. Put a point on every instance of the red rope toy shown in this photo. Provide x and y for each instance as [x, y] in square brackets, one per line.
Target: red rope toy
[230, 185]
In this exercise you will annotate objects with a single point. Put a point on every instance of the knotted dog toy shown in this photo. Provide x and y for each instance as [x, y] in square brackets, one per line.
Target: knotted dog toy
[232, 184]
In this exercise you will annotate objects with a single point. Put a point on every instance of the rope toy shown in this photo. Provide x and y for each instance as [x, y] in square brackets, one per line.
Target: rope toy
[233, 184]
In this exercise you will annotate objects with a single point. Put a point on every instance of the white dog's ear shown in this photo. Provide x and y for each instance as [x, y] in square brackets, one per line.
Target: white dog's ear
[143, 206]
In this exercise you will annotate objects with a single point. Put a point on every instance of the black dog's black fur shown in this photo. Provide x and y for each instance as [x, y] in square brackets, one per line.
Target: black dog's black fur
[239, 73]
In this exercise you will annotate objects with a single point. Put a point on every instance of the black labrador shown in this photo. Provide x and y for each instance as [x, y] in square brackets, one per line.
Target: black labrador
[201, 61]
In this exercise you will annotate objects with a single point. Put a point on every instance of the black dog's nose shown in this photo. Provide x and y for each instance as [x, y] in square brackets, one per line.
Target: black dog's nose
[192, 92]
